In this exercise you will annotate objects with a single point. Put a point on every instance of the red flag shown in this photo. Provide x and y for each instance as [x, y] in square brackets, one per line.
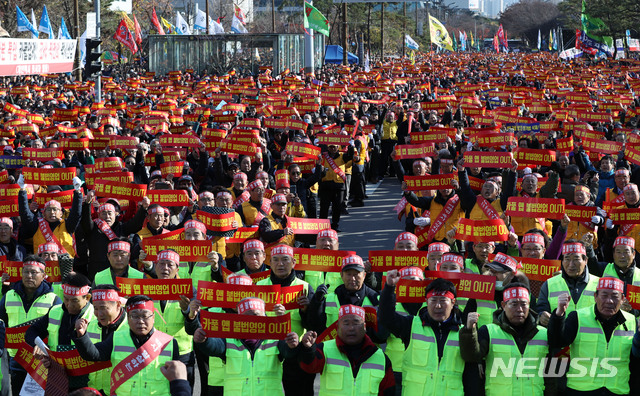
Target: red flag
[138, 31]
[123, 35]
[502, 37]
[156, 22]
[496, 46]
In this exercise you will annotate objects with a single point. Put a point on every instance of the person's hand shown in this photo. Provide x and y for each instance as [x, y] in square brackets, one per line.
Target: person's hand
[472, 320]
[234, 224]
[77, 183]
[404, 186]
[609, 224]
[42, 356]
[33, 206]
[199, 336]
[213, 258]
[514, 165]
[513, 239]
[393, 277]
[564, 223]
[279, 310]
[563, 303]
[544, 318]
[321, 291]
[5, 279]
[588, 238]
[88, 199]
[297, 201]
[455, 185]
[308, 339]
[422, 221]
[595, 220]
[451, 235]
[460, 164]
[174, 370]
[595, 178]
[303, 300]
[194, 308]
[142, 257]
[184, 302]
[288, 231]
[21, 182]
[81, 326]
[292, 340]
[626, 305]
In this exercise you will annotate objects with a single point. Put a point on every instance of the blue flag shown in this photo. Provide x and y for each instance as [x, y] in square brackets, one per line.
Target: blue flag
[63, 32]
[45, 23]
[23, 23]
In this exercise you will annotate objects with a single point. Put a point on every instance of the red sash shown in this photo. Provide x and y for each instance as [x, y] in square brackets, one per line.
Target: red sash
[106, 230]
[442, 218]
[335, 167]
[45, 229]
[399, 208]
[487, 208]
[263, 211]
[244, 197]
[144, 355]
[541, 220]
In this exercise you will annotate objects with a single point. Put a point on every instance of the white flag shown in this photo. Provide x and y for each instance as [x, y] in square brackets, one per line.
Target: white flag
[215, 27]
[83, 48]
[201, 20]
[181, 25]
[33, 23]
[237, 26]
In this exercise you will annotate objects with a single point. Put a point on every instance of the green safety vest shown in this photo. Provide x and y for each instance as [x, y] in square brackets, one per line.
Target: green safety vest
[469, 265]
[611, 271]
[216, 364]
[395, 346]
[423, 373]
[101, 379]
[55, 319]
[332, 306]
[296, 320]
[259, 376]
[486, 309]
[337, 374]
[17, 315]
[201, 272]
[173, 324]
[317, 278]
[503, 346]
[104, 277]
[149, 380]
[557, 286]
[590, 342]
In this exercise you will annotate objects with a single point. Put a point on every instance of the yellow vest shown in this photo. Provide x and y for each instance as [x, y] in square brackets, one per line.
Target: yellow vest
[423, 373]
[337, 375]
[590, 342]
[611, 271]
[331, 175]
[478, 214]
[452, 222]
[101, 379]
[635, 234]
[503, 346]
[61, 234]
[201, 272]
[148, 381]
[17, 315]
[174, 325]
[104, 277]
[55, 319]
[250, 213]
[395, 346]
[316, 278]
[296, 320]
[557, 286]
[576, 230]
[389, 130]
[287, 239]
[257, 376]
[332, 306]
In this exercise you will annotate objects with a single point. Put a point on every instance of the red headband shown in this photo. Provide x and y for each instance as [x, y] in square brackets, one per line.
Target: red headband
[53, 203]
[105, 295]
[453, 258]
[252, 244]
[282, 249]
[515, 292]
[507, 261]
[69, 290]
[119, 245]
[328, 233]
[255, 184]
[240, 176]
[581, 188]
[630, 186]
[624, 172]
[610, 284]
[106, 207]
[438, 247]
[406, 236]
[351, 310]
[7, 221]
[435, 293]
[197, 225]
[156, 210]
[249, 304]
[411, 271]
[48, 247]
[35, 264]
[569, 248]
[208, 194]
[533, 238]
[625, 241]
[148, 305]
[169, 255]
[224, 194]
[446, 161]
[278, 199]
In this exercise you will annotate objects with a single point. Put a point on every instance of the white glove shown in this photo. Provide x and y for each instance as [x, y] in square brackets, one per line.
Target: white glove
[77, 183]
[609, 223]
[422, 221]
[21, 181]
[595, 220]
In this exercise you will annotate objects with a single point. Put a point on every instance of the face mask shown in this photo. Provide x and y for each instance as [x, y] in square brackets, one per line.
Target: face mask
[499, 285]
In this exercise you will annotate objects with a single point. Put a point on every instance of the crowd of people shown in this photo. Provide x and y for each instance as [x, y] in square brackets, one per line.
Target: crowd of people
[270, 148]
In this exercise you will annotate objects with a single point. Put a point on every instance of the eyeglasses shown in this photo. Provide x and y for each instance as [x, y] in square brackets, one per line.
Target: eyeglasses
[144, 318]
[296, 173]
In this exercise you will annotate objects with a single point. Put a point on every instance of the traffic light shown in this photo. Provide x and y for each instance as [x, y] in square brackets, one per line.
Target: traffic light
[93, 64]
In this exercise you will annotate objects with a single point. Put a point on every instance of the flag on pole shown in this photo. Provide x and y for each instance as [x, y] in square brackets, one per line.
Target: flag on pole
[123, 35]
[550, 39]
[215, 27]
[502, 37]
[539, 40]
[496, 44]
[201, 20]
[63, 32]
[591, 26]
[555, 41]
[237, 26]
[439, 34]
[471, 36]
[170, 28]
[313, 19]
[83, 49]
[23, 23]
[410, 43]
[33, 23]
[45, 24]
[239, 14]
[181, 25]
[128, 21]
[137, 30]
[156, 22]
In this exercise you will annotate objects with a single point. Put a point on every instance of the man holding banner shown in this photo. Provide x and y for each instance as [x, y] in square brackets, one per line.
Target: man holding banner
[156, 217]
[210, 270]
[119, 255]
[137, 352]
[324, 282]
[274, 228]
[529, 190]
[332, 187]
[256, 207]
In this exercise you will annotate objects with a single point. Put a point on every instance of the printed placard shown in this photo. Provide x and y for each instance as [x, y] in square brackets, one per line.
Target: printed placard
[302, 150]
[412, 151]
[64, 197]
[319, 259]
[482, 230]
[386, 260]
[114, 189]
[430, 182]
[221, 325]
[480, 287]
[216, 222]
[157, 289]
[535, 207]
[168, 197]
[188, 251]
[14, 270]
[480, 159]
[49, 177]
[302, 225]
[224, 295]
[580, 213]
[533, 157]
[625, 215]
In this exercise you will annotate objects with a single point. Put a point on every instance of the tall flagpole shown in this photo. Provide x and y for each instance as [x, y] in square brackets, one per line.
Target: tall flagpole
[308, 45]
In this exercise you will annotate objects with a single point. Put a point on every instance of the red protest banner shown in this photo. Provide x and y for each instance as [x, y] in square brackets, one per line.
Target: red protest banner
[302, 150]
[482, 230]
[308, 226]
[42, 155]
[538, 269]
[123, 142]
[224, 295]
[215, 222]
[114, 189]
[49, 177]
[191, 251]
[64, 197]
[625, 215]
[565, 145]
[430, 182]
[289, 296]
[34, 367]
[386, 260]
[9, 207]
[75, 365]
[14, 336]
[157, 289]
[14, 269]
[481, 287]
[632, 154]
[580, 213]
[333, 139]
[122, 177]
[601, 146]
[179, 141]
[172, 168]
[490, 139]
[222, 325]
[533, 157]
[319, 260]
[633, 296]
[109, 164]
[411, 151]
[168, 197]
[550, 208]
[242, 234]
[480, 159]
[240, 148]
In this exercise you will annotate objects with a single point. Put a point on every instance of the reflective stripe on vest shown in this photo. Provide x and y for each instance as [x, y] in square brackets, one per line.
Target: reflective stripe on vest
[296, 320]
[17, 315]
[611, 271]
[55, 319]
[557, 286]
[332, 305]
[257, 376]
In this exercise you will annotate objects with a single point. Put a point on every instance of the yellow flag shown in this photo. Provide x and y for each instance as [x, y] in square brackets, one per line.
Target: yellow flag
[471, 34]
[439, 34]
[128, 21]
